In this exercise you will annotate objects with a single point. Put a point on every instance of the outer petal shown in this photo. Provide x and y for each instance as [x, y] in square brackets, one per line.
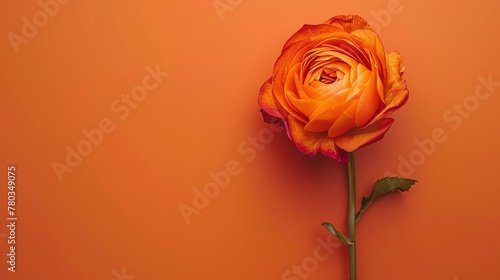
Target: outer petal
[337, 24]
[398, 101]
[370, 40]
[357, 138]
[269, 110]
[348, 23]
[395, 70]
[396, 92]
[266, 101]
[311, 33]
[282, 68]
[310, 143]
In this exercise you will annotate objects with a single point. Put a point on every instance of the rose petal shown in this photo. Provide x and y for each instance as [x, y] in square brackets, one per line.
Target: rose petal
[397, 93]
[329, 104]
[269, 118]
[304, 104]
[368, 101]
[357, 138]
[311, 33]
[282, 71]
[350, 46]
[395, 70]
[348, 23]
[291, 94]
[324, 120]
[311, 143]
[345, 121]
[398, 101]
[306, 91]
[372, 45]
[266, 100]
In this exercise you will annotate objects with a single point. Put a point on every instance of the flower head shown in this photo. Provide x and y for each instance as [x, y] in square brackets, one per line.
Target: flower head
[333, 87]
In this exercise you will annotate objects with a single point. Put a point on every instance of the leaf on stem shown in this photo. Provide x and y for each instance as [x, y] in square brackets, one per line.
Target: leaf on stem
[383, 186]
[337, 233]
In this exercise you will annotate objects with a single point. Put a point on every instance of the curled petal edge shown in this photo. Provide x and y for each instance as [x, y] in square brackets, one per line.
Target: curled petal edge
[312, 143]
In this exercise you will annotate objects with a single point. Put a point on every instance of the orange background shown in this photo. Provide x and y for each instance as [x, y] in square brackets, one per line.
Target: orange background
[119, 207]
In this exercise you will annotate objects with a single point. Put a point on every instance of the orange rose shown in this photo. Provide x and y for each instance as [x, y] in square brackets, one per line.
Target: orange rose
[333, 87]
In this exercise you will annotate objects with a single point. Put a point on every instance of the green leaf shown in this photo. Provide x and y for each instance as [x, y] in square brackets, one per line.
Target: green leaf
[337, 233]
[383, 186]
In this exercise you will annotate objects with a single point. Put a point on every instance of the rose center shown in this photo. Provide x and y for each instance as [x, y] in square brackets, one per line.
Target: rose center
[328, 76]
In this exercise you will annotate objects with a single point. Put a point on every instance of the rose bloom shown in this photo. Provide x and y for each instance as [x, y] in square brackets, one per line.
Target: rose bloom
[333, 87]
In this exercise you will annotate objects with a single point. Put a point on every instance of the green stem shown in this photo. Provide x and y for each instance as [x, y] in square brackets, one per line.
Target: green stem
[351, 215]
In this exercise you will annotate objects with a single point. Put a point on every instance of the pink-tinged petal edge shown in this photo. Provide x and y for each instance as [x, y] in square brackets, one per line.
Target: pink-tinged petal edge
[312, 143]
[269, 110]
[266, 100]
